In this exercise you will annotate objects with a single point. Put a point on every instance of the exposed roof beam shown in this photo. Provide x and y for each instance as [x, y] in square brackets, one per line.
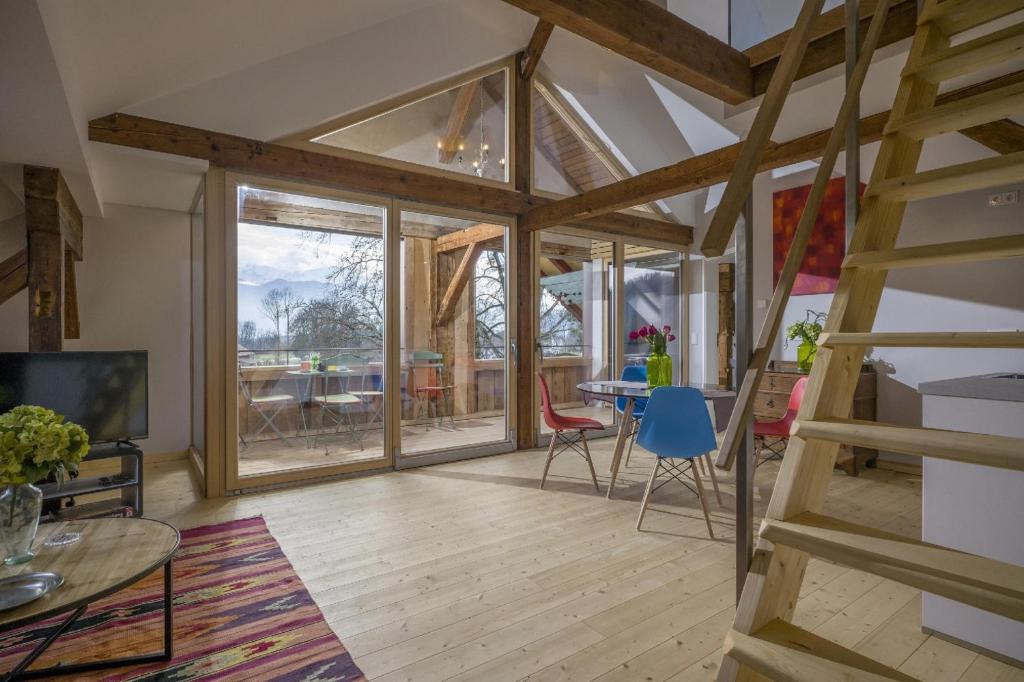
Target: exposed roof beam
[714, 167]
[13, 274]
[463, 273]
[827, 49]
[471, 235]
[534, 49]
[656, 38]
[1005, 136]
[448, 145]
[247, 155]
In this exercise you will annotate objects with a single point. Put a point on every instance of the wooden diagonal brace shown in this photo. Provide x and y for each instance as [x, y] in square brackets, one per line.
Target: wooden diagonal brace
[466, 269]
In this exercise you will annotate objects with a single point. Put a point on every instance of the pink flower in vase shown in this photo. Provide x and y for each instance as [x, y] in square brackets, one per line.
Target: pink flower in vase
[671, 337]
[634, 335]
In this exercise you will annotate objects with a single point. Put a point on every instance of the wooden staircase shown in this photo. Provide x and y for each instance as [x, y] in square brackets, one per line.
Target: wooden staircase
[761, 642]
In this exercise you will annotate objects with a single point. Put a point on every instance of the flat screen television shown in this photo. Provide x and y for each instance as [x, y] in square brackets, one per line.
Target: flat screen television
[105, 392]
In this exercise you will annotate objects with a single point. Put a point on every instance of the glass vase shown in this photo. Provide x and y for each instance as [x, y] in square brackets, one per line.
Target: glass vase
[659, 370]
[805, 353]
[20, 506]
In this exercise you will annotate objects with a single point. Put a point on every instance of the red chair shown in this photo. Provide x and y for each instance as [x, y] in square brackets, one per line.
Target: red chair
[562, 425]
[778, 430]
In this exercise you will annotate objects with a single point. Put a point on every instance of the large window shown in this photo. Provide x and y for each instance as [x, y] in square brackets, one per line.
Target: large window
[462, 129]
[575, 321]
[310, 320]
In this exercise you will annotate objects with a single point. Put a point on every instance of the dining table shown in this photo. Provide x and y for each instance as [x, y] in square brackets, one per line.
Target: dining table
[722, 400]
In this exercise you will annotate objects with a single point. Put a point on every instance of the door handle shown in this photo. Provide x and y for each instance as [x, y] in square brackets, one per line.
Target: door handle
[515, 354]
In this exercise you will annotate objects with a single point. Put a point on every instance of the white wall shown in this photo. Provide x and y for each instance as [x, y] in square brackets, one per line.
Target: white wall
[133, 294]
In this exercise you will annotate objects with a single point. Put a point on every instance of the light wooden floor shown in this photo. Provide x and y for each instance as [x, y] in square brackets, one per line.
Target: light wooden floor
[467, 571]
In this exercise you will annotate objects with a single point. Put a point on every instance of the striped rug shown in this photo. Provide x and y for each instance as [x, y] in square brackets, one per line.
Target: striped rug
[240, 613]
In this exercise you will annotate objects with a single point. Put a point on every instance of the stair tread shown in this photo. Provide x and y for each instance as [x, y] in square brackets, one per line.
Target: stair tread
[924, 339]
[971, 250]
[961, 114]
[962, 177]
[970, 56]
[783, 651]
[1003, 452]
[993, 585]
[955, 16]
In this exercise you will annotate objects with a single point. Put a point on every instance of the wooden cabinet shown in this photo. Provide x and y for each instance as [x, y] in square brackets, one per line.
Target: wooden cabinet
[772, 399]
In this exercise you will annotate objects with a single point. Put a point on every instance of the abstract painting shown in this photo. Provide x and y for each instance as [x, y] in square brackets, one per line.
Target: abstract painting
[819, 271]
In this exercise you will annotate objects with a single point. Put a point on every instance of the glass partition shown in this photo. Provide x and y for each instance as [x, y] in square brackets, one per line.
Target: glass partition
[310, 320]
[454, 341]
[754, 21]
[653, 295]
[462, 129]
[575, 321]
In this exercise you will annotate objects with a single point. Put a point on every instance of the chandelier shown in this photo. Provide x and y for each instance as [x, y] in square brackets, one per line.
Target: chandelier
[481, 156]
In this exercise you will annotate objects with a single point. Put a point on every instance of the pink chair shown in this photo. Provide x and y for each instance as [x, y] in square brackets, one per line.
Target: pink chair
[778, 430]
[562, 425]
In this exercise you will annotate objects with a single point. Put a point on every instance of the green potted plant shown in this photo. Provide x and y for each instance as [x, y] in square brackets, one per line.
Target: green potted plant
[35, 443]
[659, 362]
[808, 332]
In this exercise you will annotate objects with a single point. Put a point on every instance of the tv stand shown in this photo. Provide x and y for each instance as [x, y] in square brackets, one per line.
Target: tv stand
[128, 482]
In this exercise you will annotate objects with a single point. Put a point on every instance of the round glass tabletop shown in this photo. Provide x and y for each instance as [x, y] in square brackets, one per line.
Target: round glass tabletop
[639, 389]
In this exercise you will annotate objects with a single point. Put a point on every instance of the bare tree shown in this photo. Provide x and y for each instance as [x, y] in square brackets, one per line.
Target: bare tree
[272, 308]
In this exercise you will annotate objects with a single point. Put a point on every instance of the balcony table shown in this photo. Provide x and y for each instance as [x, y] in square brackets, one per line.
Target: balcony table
[722, 400]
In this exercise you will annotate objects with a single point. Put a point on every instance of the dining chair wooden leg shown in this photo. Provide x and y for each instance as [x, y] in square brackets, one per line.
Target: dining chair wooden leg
[590, 462]
[551, 456]
[709, 466]
[700, 460]
[647, 493]
[700, 496]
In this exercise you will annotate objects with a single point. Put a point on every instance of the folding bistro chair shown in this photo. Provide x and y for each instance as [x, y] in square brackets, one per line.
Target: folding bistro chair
[267, 407]
[677, 426]
[562, 425]
[429, 388]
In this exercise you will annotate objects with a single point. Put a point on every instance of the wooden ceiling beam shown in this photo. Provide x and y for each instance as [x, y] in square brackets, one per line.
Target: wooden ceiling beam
[1005, 136]
[253, 156]
[714, 167]
[535, 48]
[653, 36]
[827, 48]
[471, 235]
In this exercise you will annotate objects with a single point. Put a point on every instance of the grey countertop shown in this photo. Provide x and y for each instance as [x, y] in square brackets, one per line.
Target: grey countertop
[998, 386]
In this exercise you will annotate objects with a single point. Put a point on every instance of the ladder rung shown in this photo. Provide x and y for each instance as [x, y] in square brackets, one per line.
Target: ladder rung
[972, 111]
[924, 339]
[960, 446]
[972, 250]
[963, 177]
[992, 48]
[782, 651]
[955, 16]
[985, 583]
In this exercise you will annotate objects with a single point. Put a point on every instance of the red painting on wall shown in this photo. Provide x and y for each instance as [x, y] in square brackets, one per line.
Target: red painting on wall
[819, 271]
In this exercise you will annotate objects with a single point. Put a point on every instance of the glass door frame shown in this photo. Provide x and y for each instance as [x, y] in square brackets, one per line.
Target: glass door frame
[233, 481]
[511, 365]
[617, 311]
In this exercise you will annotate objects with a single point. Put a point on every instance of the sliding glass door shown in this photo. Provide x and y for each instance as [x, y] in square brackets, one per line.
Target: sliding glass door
[652, 296]
[309, 301]
[575, 321]
[453, 326]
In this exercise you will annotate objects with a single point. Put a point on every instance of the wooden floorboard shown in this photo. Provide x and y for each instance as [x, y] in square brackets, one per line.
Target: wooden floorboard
[467, 571]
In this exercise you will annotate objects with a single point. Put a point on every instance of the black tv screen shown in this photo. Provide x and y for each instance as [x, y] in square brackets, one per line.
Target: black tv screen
[105, 392]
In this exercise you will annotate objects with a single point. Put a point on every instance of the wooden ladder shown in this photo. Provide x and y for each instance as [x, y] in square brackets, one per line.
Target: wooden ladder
[762, 642]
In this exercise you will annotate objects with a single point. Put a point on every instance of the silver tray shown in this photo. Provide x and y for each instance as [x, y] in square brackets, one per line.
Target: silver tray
[21, 589]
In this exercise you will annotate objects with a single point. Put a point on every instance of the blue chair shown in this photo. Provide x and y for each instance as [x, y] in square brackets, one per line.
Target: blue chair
[632, 373]
[677, 426]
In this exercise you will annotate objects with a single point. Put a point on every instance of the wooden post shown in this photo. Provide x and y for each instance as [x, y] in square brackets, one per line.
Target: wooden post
[726, 321]
[51, 218]
[72, 329]
[525, 354]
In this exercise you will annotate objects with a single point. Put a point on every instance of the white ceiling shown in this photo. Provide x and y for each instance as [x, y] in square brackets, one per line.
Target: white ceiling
[268, 68]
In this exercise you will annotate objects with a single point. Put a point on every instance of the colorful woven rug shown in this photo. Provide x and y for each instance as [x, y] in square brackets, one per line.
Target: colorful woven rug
[240, 613]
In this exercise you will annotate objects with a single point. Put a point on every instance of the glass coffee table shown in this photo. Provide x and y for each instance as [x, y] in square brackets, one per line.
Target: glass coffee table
[111, 555]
